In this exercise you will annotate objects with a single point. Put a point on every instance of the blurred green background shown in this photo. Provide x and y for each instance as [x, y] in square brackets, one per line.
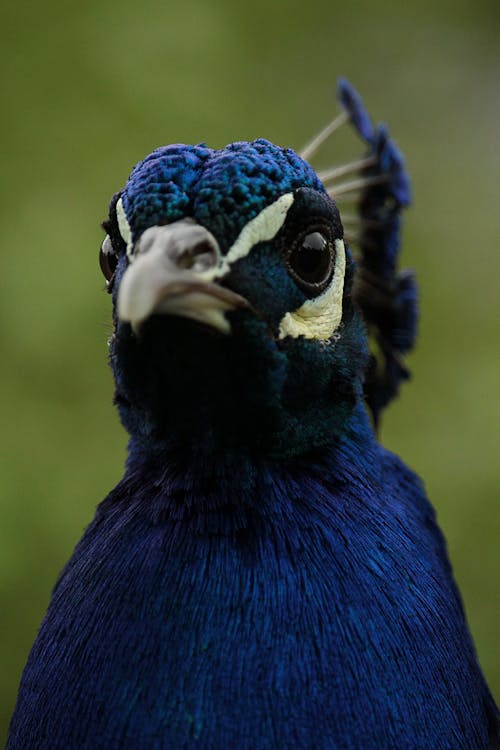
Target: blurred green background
[88, 89]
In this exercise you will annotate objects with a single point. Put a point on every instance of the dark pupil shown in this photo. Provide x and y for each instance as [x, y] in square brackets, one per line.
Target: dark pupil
[108, 263]
[311, 258]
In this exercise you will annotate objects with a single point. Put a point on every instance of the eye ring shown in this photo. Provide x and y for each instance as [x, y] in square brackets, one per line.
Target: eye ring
[311, 259]
[108, 260]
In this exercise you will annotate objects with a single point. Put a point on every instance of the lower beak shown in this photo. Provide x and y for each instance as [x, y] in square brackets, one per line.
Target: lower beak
[170, 274]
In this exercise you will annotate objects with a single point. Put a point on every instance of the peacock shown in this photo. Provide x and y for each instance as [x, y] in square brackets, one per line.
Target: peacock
[265, 576]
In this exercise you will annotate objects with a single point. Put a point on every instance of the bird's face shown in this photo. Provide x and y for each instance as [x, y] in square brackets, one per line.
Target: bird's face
[231, 291]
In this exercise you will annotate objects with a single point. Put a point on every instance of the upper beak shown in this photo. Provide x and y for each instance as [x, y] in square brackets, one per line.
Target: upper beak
[171, 272]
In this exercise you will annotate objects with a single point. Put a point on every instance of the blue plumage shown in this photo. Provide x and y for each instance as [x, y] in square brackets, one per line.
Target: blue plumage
[265, 575]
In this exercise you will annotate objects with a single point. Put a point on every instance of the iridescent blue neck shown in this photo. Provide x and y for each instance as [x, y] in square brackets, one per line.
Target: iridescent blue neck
[191, 466]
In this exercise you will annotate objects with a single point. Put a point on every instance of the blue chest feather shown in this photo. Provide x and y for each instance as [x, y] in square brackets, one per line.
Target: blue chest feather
[304, 605]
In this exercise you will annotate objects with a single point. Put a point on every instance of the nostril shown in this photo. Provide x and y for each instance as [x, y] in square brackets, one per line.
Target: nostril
[199, 257]
[184, 245]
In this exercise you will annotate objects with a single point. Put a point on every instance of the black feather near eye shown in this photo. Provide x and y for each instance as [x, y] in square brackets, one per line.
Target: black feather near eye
[311, 260]
[108, 260]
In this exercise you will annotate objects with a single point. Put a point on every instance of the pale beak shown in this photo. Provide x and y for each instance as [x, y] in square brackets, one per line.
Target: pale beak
[171, 272]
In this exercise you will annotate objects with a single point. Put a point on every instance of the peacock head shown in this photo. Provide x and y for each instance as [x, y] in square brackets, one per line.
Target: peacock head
[234, 316]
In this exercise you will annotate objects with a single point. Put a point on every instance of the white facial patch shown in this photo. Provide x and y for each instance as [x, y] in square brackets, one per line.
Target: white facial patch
[123, 225]
[265, 226]
[320, 317]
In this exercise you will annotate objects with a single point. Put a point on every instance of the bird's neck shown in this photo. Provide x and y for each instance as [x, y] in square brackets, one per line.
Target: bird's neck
[184, 479]
[244, 396]
[238, 424]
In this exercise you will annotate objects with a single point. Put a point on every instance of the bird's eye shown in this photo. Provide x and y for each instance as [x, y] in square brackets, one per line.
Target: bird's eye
[311, 260]
[108, 260]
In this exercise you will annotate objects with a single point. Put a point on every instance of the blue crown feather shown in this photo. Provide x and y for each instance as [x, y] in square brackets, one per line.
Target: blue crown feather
[387, 298]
